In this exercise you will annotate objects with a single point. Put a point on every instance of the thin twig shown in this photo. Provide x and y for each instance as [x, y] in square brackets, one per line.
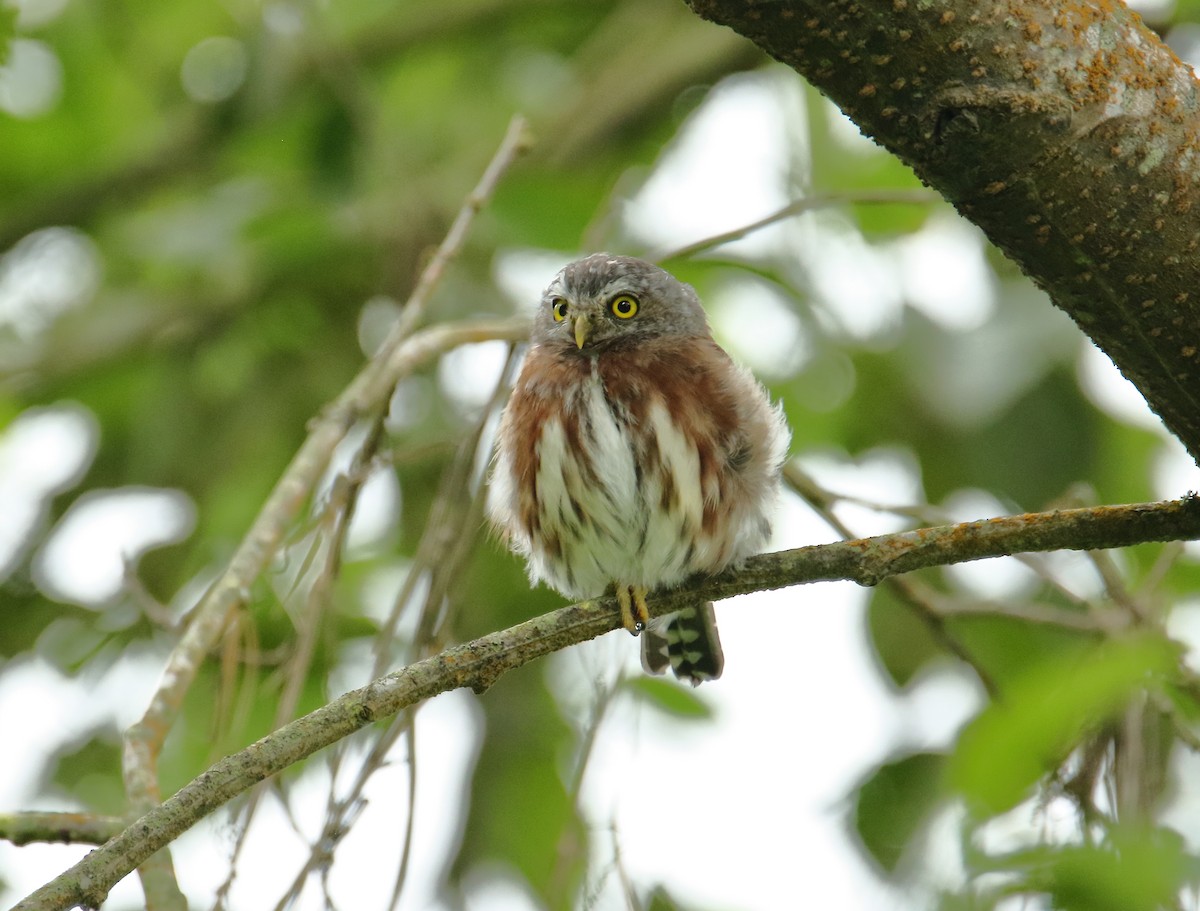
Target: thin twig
[369, 390]
[58, 828]
[477, 664]
[820, 501]
[338, 514]
[798, 207]
[410, 737]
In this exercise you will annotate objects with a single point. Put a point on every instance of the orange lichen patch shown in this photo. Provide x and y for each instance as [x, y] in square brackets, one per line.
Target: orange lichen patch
[867, 90]
[947, 17]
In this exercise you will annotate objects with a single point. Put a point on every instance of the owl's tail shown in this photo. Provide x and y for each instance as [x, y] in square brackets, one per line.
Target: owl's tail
[687, 641]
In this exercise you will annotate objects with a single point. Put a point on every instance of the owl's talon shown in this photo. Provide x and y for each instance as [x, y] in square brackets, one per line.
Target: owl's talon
[634, 613]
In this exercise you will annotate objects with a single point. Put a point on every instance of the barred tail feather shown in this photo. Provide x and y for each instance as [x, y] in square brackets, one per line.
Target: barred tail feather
[687, 642]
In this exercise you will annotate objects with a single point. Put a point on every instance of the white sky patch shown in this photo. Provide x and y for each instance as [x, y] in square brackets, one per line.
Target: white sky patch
[43, 452]
[524, 274]
[1108, 390]
[944, 274]
[1175, 472]
[375, 320]
[47, 273]
[755, 766]
[1183, 625]
[883, 476]
[411, 403]
[728, 167]
[493, 887]
[31, 82]
[857, 284]
[845, 132]
[469, 373]
[760, 328]
[937, 704]
[84, 559]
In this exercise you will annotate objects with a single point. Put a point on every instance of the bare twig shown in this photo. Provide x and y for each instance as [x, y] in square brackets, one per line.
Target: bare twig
[338, 514]
[369, 390]
[798, 207]
[477, 664]
[916, 598]
[58, 828]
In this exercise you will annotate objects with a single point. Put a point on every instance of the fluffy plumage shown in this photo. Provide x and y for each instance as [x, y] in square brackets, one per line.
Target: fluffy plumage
[634, 453]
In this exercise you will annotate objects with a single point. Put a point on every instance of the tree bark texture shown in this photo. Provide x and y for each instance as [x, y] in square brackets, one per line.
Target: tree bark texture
[1066, 130]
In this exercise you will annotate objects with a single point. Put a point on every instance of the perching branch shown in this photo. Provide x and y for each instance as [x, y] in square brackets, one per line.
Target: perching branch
[479, 663]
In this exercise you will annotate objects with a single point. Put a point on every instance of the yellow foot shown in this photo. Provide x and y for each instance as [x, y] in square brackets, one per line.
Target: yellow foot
[634, 613]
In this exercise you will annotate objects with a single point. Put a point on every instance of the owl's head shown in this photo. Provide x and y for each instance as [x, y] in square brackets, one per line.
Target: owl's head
[604, 301]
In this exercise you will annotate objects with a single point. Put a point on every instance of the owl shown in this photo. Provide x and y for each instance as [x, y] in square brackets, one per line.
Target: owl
[634, 453]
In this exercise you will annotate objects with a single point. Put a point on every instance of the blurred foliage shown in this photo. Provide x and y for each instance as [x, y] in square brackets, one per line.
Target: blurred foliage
[217, 196]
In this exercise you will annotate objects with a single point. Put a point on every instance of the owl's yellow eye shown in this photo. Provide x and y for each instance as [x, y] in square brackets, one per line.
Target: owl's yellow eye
[558, 307]
[624, 306]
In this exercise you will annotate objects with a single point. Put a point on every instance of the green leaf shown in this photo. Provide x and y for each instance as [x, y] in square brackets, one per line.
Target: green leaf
[89, 770]
[1012, 743]
[669, 697]
[902, 642]
[662, 900]
[893, 802]
[1008, 648]
[1133, 869]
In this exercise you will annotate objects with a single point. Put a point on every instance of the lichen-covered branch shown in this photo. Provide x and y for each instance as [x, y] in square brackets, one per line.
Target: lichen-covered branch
[1067, 131]
[479, 663]
[34, 827]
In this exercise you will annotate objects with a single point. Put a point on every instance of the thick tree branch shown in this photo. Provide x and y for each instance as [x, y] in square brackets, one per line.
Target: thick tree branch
[479, 663]
[1067, 131]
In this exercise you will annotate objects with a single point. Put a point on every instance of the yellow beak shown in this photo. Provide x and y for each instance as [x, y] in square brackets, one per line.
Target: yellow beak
[582, 326]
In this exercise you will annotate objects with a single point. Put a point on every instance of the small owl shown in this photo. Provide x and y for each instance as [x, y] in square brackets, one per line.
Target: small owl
[634, 453]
